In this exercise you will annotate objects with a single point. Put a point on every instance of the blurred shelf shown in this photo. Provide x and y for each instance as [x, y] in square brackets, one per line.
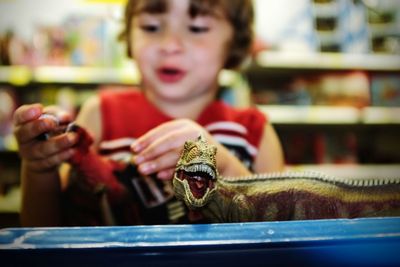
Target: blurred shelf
[331, 115]
[383, 30]
[325, 10]
[16, 75]
[328, 61]
[380, 115]
[47, 74]
[118, 2]
[352, 171]
[22, 75]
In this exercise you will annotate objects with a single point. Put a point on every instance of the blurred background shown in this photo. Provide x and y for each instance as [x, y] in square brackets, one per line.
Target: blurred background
[326, 73]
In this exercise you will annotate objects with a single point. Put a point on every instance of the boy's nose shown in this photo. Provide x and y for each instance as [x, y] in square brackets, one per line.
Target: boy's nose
[171, 43]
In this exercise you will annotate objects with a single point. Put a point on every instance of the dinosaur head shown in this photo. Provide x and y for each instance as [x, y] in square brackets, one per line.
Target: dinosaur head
[196, 173]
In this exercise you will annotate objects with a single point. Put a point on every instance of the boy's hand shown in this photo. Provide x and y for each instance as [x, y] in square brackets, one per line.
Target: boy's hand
[42, 155]
[158, 150]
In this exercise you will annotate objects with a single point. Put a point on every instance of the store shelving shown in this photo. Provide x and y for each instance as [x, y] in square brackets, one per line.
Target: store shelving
[290, 114]
[352, 171]
[15, 75]
[316, 130]
[22, 75]
[327, 61]
[127, 75]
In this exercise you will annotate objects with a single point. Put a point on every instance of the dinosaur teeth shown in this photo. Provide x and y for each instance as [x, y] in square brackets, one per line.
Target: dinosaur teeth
[201, 168]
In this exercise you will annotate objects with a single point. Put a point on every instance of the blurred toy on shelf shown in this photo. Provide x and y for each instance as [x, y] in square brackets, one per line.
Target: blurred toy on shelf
[49, 46]
[384, 26]
[13, 50]
[294, 94]
[67, 97]
[285, 29]
[80, 40]
[320, 148]
[336, 148]
[343, 89]
[385, 90]
[356, 27]
[341, 26]
[330, 89]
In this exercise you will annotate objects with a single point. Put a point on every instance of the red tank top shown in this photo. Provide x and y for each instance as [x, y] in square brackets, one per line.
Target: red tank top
[127, 114]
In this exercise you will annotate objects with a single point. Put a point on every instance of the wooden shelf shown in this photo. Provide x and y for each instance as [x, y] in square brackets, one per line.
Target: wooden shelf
[82, 75]
[352, 171]
[331, 115]
[16, 75]
[328, 61]
[22, 75]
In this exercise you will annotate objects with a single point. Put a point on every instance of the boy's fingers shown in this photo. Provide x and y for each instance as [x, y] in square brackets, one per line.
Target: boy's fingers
[166, 174]
[52, 161]
[43, 150]
[166, 161]
[170, 141]
[30, 130]
[27, 113]
[152, 135]
[62, 115]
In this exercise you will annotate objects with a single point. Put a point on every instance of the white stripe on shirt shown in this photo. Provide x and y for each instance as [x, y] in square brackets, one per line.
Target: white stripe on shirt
[237, 141]
[226, 126]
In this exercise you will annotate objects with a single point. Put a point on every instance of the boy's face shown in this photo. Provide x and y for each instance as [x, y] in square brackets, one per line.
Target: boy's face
[180, 56]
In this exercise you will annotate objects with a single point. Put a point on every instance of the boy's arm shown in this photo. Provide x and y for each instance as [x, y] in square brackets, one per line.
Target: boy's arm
[228, 164]
[41, 189]
[270, 156]
[39, 164]
[40, 203]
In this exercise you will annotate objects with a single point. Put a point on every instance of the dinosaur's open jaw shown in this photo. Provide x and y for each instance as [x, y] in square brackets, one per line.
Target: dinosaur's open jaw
[200, 178]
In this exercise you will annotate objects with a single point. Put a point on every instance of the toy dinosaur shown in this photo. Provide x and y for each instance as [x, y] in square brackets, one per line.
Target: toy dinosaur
[276, 196]
[263, 197]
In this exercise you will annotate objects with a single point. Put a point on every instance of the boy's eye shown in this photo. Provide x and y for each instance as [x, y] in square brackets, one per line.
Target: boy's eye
[149, 28]
[198, 29]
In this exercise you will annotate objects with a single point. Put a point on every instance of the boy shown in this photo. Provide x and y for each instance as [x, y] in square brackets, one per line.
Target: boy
[180, 46]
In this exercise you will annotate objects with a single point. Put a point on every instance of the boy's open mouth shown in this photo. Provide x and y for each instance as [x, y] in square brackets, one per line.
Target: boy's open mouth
[170, 74]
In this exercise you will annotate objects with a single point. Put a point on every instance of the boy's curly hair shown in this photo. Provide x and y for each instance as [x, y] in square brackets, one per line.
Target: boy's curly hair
[238, 12]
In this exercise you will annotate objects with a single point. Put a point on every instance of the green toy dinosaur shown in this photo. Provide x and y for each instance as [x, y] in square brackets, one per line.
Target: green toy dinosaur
[277, 196]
